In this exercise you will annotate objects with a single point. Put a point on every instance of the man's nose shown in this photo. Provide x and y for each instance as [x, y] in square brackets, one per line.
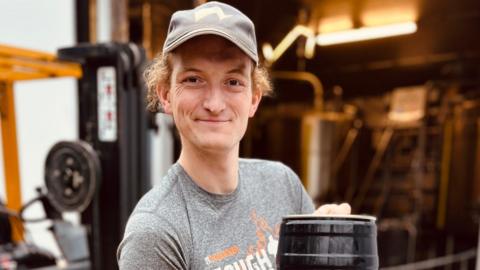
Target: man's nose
[214, 100]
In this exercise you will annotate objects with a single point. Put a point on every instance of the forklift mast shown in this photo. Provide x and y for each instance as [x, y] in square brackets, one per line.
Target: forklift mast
[114, 120]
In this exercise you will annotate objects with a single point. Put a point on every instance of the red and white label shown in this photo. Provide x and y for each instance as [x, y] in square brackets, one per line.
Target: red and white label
[107, 104]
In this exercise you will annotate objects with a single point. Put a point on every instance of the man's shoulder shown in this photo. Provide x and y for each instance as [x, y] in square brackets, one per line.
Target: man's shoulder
[158, 224]
[262, 164]
[163, 203]
[256, 162]
[272, 181]
[265, 168]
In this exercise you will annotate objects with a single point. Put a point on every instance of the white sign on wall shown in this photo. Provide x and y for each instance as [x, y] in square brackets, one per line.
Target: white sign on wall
[107, 104]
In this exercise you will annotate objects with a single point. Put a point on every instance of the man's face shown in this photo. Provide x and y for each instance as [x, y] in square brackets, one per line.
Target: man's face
[210, 94]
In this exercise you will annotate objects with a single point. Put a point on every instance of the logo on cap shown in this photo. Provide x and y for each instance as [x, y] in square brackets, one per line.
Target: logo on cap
[204, 12]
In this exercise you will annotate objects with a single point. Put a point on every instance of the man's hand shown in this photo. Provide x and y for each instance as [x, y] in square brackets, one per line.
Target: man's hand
[334, 209]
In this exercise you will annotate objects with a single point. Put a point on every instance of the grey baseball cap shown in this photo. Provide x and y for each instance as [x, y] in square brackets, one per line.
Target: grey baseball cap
[212, 18]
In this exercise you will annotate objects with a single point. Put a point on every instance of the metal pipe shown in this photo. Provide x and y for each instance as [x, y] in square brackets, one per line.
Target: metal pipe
[305, 77]
[384, 142]
[344, 150]
[347, 145]
[10, 153]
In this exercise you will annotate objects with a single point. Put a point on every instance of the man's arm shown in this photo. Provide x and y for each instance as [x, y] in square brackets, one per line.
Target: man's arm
[151, 243]
[303, 201]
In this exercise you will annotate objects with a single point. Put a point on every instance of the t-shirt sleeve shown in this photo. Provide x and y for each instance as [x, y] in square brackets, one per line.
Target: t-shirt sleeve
[151, 243]
[305, 202]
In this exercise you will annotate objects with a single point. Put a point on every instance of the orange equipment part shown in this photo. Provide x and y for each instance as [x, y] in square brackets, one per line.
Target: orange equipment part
[22, 64]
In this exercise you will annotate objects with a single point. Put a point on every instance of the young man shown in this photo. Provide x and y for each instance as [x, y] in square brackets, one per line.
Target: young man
[212, 210]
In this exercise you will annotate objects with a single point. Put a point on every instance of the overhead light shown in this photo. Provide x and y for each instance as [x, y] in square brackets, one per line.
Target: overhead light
[366, 33]
[376, 18]
[325, 39]
[382, 12]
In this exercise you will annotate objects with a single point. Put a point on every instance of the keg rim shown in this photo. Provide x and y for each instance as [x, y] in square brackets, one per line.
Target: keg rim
[329, 217]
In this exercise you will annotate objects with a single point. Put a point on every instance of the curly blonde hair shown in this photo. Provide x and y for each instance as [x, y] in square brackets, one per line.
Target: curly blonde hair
[159, 71]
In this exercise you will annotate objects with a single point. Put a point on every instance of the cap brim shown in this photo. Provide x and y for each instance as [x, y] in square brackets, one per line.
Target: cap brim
[209, 31]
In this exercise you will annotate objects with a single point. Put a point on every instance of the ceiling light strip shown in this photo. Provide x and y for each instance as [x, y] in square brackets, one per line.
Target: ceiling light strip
[366, 33]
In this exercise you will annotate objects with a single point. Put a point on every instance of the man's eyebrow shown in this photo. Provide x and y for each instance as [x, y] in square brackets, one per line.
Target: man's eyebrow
[187, 69]
[240, 69]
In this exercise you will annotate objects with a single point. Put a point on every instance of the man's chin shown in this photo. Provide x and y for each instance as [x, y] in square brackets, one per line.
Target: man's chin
[216, 146]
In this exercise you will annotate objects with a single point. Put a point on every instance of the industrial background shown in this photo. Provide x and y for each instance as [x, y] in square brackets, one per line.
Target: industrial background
[377, 103]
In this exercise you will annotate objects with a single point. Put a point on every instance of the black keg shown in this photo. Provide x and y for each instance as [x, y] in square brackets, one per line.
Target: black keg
[328, 242]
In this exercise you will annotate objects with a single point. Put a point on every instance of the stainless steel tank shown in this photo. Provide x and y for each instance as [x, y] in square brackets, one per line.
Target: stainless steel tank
[308, 140]
[323, 135]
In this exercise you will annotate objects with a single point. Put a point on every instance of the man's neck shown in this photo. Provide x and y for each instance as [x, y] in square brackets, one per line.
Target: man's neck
[214, 172]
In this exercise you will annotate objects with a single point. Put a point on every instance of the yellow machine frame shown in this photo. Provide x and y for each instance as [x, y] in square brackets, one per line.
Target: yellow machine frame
[15, 65]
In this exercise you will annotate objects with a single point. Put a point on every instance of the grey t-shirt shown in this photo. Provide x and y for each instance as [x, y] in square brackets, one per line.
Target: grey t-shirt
[178, 225]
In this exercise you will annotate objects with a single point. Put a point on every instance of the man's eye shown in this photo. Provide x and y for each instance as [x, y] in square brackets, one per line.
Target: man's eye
[234, 83]
[191, 80]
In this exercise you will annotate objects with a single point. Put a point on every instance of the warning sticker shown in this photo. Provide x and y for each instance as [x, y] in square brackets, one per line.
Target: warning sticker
[107, 104]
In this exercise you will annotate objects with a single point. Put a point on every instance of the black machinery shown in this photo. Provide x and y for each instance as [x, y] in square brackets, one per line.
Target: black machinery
[113, 122]
[105, 172]
[72, 172]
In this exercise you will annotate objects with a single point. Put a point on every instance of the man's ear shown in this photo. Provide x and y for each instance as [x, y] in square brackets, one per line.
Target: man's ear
[256, 98]
[163, 94]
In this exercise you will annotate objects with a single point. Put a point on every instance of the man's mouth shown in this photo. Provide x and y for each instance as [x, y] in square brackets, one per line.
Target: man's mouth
[212, 120]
